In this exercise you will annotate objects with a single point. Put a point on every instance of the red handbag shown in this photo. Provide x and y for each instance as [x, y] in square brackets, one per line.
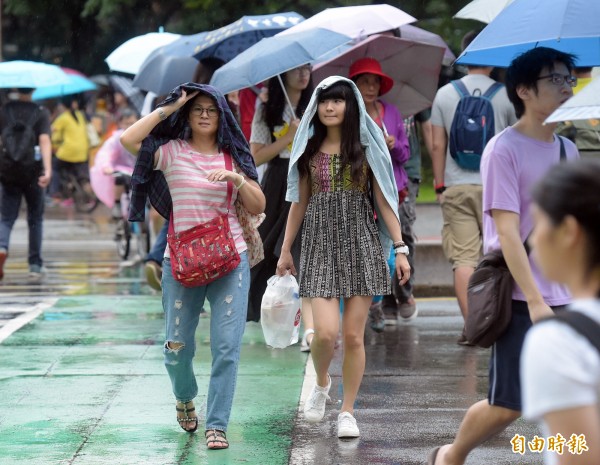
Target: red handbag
[204, 253]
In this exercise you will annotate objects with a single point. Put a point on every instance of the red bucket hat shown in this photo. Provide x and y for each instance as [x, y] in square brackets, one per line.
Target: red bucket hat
[372, 66]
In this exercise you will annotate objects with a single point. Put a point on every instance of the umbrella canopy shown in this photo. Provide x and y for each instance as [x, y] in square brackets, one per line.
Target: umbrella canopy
[229, 41]
[415, 68]
[584, 105]
[570, 26]
[129, 56]
[124, 85]
[482, 10]
[77, 83]
[163, 73]
[355, 21]
[416, 34]
[30, 74]
[275, 55]
[168, 66]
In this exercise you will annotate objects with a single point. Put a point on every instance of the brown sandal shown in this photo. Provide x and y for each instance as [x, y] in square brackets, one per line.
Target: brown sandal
[216, 436]
[186, 410]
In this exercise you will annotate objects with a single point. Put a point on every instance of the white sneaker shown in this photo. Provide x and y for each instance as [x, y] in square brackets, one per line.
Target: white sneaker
[314, 407]
[346, 426]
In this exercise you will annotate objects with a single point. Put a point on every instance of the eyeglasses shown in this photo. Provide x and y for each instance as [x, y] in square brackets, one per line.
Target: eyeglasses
[560, 79]
[211, 112]
[303, 69]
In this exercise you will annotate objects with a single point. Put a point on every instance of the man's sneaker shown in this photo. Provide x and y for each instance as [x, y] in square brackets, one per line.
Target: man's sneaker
[314, 407]
[37, 271]
[408, 310]
[3, 255]
[376, 318]
[346, 426]
[153, 274]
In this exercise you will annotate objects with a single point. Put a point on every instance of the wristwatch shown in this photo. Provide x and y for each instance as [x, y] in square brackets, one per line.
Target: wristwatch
[440, 189]
[403, 249]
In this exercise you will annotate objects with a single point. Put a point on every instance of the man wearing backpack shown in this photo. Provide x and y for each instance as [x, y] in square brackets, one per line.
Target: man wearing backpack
[463, 119]
[25, 171]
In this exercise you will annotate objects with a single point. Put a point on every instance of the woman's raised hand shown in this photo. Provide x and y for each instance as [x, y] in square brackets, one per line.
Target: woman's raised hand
[183, 98]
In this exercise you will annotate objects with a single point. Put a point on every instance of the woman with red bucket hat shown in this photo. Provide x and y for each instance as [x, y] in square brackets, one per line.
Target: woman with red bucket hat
[372, 83]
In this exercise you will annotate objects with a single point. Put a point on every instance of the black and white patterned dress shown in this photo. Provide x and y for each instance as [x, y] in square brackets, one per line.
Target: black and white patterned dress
[341, 253]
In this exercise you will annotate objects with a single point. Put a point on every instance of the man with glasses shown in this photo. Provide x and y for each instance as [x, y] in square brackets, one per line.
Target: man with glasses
[537, 83]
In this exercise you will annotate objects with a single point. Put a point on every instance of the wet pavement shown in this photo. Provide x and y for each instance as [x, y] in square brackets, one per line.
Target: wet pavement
[82, 379]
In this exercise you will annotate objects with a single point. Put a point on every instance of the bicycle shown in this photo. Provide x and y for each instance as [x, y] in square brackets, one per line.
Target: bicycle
[83, 197]
[126, 230]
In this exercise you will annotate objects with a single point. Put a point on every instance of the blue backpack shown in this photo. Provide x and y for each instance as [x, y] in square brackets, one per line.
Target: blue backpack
[472, 125]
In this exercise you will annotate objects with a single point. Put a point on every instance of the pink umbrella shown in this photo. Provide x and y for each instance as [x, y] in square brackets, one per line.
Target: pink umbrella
[413, 66]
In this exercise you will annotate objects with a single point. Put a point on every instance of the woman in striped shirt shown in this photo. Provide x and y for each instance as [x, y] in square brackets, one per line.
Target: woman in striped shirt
[196, 175]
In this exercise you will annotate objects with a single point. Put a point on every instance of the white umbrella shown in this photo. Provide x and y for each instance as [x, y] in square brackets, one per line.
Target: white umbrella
[483, 10]
[356, 22]
[585, 105]
[129, 56]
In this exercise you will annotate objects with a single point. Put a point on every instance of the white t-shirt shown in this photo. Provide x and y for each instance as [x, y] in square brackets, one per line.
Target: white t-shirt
[260, 131]
[560, 368]
[442, 113]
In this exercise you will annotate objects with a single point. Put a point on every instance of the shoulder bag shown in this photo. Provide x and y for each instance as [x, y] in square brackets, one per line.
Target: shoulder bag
[206, 252]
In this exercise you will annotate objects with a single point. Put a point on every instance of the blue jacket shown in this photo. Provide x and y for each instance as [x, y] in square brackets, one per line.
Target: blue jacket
[371, 138]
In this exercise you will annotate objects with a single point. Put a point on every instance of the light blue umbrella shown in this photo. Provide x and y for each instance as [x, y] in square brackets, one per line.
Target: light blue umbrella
[30, 74]
[77, 83]
[275, 55]
[228, 41]
[571, 26]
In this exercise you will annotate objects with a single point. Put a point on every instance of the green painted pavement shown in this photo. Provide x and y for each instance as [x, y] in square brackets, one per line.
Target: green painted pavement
[85, 384]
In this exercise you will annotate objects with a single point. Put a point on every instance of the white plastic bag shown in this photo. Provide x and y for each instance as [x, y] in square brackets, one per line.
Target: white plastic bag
[280, 311]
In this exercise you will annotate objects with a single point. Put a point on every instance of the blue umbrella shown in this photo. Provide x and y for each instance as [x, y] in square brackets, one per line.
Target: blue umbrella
[571, 26]
[30, 74]
[275, 55]
[227, 42]
[77, 83]
[169, 66]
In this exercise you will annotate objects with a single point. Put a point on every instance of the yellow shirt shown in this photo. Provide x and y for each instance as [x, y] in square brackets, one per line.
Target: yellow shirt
[69, 137]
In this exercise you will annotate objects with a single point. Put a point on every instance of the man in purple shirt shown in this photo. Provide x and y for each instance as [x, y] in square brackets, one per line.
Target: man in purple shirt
[537, 82]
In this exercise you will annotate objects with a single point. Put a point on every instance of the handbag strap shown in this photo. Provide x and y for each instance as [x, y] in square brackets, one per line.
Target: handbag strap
[229, 167]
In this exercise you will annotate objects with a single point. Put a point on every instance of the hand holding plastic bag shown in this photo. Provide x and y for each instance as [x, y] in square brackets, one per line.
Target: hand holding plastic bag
[280, 311]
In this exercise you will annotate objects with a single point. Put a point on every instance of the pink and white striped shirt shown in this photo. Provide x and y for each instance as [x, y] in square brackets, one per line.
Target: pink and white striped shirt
[195, 199]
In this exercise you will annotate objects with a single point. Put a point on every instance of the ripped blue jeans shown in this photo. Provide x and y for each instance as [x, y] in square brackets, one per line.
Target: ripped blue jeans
[228, 298]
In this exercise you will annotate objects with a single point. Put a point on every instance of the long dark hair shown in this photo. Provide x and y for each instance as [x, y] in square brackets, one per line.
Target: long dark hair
[352, 152]
[275, 105]
[573, 189]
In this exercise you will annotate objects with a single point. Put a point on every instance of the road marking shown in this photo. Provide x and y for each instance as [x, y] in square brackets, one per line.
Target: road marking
[20, 321]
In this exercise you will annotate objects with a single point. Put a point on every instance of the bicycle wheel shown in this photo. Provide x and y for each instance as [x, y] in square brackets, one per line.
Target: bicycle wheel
[123, 238]
[84, 198]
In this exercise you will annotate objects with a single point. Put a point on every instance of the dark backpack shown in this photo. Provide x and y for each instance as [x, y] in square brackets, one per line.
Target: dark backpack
[18, 163]
[472, 125]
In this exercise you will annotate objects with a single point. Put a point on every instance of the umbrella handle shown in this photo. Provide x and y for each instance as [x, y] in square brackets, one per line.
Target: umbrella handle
[287, 98]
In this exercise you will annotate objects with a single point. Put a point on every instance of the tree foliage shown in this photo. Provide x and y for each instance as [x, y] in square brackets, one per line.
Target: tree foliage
[81, 33]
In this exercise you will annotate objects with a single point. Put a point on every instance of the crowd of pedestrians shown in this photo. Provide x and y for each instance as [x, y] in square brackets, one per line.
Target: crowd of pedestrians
[320, 180]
